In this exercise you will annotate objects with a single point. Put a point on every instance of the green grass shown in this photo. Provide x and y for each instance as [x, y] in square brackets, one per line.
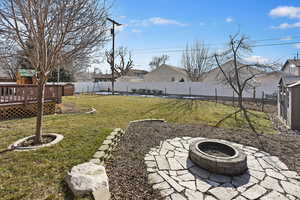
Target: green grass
[39, 174]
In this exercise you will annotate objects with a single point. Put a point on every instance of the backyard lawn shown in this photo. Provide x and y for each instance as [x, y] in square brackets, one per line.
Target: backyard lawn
[39, 174]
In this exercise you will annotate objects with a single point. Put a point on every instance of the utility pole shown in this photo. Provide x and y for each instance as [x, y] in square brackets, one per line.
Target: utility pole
[113, 54]
[58, 73]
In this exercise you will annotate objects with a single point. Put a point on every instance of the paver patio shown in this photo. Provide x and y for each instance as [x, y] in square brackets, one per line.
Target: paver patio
[172, 173]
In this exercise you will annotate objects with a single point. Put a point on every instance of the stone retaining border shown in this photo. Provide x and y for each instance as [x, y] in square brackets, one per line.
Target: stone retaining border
[104, 151]
[147, 120]
[92, 111]
[15, 146]
[111, 141]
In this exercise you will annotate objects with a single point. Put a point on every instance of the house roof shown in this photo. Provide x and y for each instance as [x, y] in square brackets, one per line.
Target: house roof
[107, 76]
[138, 71]
[294, 84]
[178, 69]
[27, 72]
[296, 62]
[289, 79]
[228, 67]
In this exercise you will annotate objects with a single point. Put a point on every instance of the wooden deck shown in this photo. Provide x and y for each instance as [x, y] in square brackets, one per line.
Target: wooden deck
[19, 101]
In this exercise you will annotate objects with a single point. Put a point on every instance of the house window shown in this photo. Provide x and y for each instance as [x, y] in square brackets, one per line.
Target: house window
[173, 79]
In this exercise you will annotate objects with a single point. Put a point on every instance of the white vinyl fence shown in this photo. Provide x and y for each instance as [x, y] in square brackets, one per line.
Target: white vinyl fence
[169, 88]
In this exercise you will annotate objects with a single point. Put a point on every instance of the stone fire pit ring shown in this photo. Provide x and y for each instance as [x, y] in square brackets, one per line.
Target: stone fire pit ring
[231, 162]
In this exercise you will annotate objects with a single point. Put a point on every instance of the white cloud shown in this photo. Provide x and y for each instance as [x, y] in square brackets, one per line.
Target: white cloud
[297, 46]
[256, 59]
[156, 21]
[286, 11]
[287, 25]
[136, 31]
[162, 21]
[229, 19]
[287, 38]
[122, 17]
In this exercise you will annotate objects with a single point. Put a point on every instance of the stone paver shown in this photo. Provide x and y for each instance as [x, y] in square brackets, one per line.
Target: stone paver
[224, 193]
[162, 163]
[192, 195]
[154, 178]
[291, 188]
[274, 174]
[177, 196]
[202, 185]
[177, 178]
[174, 164]
[274, 196]
[254, 192]
[271, 183]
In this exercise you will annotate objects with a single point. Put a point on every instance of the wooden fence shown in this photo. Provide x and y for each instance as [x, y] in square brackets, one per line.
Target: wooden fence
[24, 94]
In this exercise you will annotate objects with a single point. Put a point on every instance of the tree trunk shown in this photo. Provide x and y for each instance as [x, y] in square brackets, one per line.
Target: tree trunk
[39, 114]
[240, 99]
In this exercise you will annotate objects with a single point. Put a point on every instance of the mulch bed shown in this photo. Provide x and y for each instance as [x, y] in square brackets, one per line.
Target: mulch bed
[127, 171]
[30, 142]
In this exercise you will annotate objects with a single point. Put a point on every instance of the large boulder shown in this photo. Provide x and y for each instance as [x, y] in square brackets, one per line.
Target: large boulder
[89, 179]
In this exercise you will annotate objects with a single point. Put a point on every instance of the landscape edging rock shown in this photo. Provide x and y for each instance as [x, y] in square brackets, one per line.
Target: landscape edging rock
[104, 151]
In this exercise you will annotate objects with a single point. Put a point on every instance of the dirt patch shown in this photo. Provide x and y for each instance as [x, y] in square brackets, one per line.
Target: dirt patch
[127, 171]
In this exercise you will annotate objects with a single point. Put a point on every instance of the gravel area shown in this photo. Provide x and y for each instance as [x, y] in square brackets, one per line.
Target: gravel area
[127, 171]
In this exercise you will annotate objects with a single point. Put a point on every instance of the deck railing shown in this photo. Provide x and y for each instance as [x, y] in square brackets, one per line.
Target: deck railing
[11, 93]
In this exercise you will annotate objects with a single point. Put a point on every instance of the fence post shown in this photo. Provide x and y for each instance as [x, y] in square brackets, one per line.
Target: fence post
[165, 91]
[233, 98]
[190, 91]
[127, 89]
[216, 95]
[25, 94]
[263, 101]
[254, 94]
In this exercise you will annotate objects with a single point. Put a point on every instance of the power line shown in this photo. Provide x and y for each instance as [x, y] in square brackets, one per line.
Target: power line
[182, 50]
[176, 49]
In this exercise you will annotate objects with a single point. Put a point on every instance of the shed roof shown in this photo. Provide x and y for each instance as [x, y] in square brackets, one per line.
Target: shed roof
[296, 62]
[289, 79]
[27, 72]
[294, 84]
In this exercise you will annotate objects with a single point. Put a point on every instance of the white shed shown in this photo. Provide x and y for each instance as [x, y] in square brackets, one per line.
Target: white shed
[289, 101]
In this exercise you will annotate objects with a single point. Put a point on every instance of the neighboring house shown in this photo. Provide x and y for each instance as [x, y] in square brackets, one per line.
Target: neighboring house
[216, 76]
[167, 73]
[134, 75]
[137, 72]
[269, 78]
[131, 79]
[262, 78]
[4, 77]
[103, 78]
[83, 77]
[292, 67]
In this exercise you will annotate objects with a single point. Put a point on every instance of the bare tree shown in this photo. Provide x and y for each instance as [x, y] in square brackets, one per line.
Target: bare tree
[125, 61]
[158, 61]
[237, 75]
[196, 60]
[58, 30]
[8, 61]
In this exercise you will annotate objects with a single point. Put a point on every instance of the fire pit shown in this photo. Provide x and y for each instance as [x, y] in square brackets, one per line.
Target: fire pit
[218, 157]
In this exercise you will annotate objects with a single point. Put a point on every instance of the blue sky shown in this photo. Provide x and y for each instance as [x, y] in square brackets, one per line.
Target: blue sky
[154, 27]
